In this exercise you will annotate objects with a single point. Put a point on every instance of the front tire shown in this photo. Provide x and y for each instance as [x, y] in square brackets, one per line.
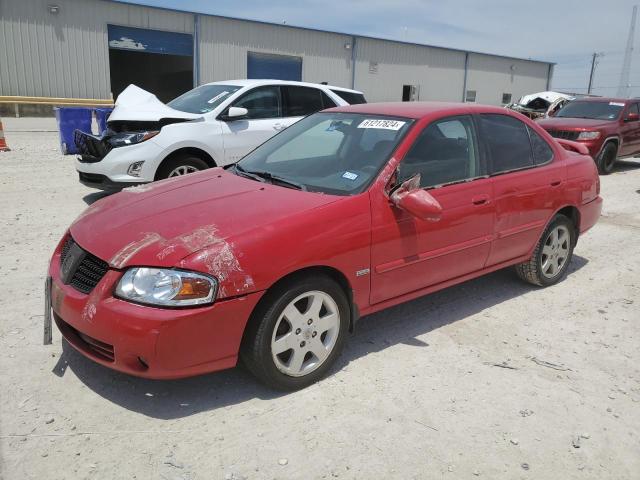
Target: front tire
[180, 165]
[552, 255]
[607, 158]
[297, 333]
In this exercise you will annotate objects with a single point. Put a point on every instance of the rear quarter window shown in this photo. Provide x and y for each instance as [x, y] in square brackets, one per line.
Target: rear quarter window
[351, 98]
[542, 152]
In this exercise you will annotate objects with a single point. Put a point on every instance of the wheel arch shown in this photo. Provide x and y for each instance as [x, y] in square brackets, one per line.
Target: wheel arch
[309, 271]
[611, 139]
[195, 151]
[572, 213]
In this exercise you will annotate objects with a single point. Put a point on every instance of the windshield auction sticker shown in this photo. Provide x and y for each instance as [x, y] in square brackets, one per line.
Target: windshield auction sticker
[384, 124]
[218, 97]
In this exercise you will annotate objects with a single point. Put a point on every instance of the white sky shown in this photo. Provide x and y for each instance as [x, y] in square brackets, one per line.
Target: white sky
[563, 31]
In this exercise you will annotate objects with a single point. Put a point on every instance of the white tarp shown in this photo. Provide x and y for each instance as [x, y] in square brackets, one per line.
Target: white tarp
[135, 103]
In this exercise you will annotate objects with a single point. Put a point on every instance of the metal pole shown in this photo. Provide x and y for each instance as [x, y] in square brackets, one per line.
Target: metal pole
[593, 69]
[464, 82]
[196, 49]
[549, 76]
[353, 63]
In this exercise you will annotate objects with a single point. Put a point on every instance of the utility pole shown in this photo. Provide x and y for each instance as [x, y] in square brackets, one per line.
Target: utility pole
[623, 87]
[594, 62]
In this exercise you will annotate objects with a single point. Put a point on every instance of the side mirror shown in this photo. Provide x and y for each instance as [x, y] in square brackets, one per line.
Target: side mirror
[632, 117]
[416, 201]
[236, 113]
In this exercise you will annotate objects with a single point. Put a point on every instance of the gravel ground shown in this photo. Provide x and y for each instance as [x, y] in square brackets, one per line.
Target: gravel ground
[453, 385]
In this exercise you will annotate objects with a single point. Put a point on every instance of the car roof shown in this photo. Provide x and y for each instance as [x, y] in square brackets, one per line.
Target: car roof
[266, 81]
[603, 99]
[419, 109]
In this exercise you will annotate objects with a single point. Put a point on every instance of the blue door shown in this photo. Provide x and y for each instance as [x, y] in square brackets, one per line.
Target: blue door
[274, 67]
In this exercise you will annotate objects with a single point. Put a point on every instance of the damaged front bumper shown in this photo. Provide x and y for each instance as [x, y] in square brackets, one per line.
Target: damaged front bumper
[145, 341]
[111, 169]
[92, 148]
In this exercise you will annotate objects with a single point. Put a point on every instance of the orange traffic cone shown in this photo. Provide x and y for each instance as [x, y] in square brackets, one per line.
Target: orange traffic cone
[3, 143]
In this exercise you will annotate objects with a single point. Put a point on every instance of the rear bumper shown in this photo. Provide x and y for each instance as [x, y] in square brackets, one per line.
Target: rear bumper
[146, 341]
[590, 213]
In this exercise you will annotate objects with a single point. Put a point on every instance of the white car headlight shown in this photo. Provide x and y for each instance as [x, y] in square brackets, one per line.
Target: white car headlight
[130, 138]
[588, 135]
[166, 287]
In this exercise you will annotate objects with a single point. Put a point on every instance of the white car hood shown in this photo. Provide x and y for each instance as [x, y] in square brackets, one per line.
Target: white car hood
[137, 104]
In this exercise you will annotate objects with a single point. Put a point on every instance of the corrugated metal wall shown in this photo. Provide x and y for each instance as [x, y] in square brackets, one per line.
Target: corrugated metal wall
[382, 68]
[66, 54]
[224, 44]
[492, 76]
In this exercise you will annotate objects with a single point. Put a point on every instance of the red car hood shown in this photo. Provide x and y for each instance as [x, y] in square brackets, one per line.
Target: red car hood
[559, 123]
[161, 223]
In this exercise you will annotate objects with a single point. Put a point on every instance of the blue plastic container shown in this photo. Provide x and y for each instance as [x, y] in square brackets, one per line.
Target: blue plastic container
[70, 119]
[102, 115]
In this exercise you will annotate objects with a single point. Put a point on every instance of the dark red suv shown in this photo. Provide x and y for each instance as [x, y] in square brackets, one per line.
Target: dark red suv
[608, 127]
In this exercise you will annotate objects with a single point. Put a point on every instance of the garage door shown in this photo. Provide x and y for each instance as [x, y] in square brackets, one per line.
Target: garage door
[160, 62]
[278, 67]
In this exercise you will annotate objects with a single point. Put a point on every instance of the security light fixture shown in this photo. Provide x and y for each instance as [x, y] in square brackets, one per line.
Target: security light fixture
[53, 9]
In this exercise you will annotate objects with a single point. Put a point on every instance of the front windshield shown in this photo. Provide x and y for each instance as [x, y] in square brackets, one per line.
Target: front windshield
[203, 99]
[592, 110]
[336, 153]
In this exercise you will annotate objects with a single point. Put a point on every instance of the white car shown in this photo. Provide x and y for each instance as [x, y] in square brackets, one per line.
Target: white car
[212, 125]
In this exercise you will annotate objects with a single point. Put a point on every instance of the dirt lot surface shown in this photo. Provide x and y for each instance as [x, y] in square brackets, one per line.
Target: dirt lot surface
[491, 379]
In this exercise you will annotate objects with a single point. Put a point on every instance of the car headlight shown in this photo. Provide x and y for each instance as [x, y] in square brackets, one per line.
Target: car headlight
[588, 135]
[130, 138]
[166, 287]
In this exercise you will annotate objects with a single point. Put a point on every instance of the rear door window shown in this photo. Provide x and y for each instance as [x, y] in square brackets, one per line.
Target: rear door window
[507, 142]
[302, 101]
[326, 101]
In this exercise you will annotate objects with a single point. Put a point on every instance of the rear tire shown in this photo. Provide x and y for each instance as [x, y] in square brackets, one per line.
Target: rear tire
[297, 333]
[607, 158]
[552, 255]
[180, 165]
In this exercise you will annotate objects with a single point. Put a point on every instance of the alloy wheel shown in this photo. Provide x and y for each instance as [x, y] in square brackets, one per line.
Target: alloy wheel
[555, 251]
[305, 333]
[182, 170]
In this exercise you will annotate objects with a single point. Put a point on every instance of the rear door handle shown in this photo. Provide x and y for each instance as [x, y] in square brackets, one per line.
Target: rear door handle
[555, 183]
[481, 200]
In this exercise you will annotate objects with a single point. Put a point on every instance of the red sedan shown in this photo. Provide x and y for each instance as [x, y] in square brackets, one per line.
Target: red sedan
[345, 213]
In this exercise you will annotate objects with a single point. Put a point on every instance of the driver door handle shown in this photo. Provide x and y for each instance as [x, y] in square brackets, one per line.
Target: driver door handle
[481, 200]
[279, 126]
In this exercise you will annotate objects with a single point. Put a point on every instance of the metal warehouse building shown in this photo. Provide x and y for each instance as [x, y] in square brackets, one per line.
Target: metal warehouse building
[95, 48]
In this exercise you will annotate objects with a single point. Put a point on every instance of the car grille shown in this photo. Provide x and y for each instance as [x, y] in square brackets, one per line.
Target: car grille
[91, 177]
[92, 149]
[565, 134]
[88, 272]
